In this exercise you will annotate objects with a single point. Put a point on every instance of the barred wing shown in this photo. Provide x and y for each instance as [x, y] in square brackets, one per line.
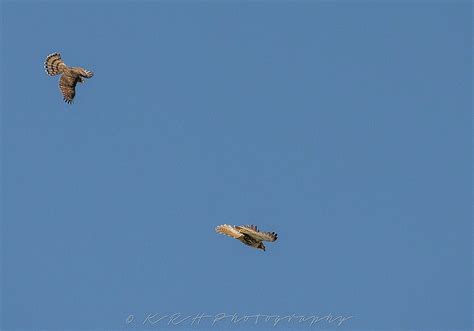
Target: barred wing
[253, 231]
[67, 85]
[228, 230]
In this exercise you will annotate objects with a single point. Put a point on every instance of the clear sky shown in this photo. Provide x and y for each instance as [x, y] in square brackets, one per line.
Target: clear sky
[344, 127]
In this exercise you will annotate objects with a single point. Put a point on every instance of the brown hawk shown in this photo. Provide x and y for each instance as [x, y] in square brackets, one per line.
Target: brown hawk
[54, 65]
[248, 234]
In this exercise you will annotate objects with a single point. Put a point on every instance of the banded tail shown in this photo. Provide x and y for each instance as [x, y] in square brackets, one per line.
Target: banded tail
[54, 65]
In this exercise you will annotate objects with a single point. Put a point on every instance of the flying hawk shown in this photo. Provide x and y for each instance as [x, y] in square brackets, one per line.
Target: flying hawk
[70, 76]
[248, 234]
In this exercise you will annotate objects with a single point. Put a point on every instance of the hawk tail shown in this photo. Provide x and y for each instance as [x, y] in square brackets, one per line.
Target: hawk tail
[54, 65]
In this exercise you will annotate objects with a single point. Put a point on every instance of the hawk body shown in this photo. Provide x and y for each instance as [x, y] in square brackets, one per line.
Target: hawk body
[247, 234]
[54, 65]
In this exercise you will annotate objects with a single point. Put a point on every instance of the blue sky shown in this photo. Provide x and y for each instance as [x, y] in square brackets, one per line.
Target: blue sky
[344, 127]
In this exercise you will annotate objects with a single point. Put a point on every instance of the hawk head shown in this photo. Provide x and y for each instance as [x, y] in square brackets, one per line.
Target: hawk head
[83, 73]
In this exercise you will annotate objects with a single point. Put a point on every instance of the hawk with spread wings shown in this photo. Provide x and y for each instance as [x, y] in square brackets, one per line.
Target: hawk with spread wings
[54, 65]
[248, 234]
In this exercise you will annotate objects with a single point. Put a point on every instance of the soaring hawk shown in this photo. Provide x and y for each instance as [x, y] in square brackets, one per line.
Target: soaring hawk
[54, 65]
[248, 234]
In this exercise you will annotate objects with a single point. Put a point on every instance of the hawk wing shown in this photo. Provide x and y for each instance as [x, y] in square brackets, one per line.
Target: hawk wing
[252, 231]
[228, 230]
[67, 85]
